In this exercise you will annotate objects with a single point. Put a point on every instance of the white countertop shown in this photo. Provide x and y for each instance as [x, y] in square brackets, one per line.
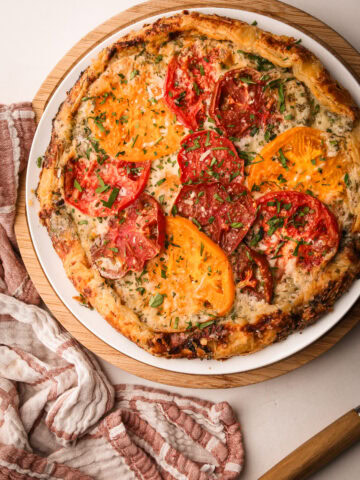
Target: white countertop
[277, 415]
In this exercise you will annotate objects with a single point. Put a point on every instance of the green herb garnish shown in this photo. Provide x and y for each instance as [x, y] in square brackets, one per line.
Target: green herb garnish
[283, 160]
[206, 324]
[77, 185]
[112, 197]
[156, 300]
[134, 73]
[236, 225]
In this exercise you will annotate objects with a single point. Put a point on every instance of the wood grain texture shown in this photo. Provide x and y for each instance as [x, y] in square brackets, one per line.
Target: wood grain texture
[319, 450]
[288, 14]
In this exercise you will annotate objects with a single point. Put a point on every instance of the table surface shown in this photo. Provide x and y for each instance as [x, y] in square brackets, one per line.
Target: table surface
[277, 415]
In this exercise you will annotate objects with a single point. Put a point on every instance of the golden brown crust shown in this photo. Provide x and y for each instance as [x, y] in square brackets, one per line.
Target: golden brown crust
[233, 339]
[220, 341]
[281, 50]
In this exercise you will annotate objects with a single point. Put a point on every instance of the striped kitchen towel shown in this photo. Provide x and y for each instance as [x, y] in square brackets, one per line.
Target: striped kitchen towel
[60, 418]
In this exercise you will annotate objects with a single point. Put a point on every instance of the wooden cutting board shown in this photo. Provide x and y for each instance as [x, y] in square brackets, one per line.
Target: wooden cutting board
[293, 16]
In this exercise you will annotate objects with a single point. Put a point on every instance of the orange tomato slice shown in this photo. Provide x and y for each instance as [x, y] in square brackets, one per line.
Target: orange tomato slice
[129, 118]
[198, 275]
[299, 159]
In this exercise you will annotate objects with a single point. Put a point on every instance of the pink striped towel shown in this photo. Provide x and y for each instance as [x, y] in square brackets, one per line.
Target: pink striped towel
[60, 418]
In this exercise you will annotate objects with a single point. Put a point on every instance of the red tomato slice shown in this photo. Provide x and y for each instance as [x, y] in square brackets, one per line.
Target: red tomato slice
[240, 102]
[189, 81]
[206, 156]
[252, 272]
[224, 214]
[293, 225]
[102, 190]
[134, 236]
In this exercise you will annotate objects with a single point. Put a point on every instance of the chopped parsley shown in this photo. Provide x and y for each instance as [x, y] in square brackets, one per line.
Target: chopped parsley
[197, 88]
[257, 237]
[236, 225]
[195, 222]
[269, 134]
[247, 80]
[196, 146]
[283, 160]
[254, 131]
[281, 178]
[134, 73]
[112, 197]
[180, 98]
[224, 148]
[156, 300]
[99, 120]
[206, 324]
[262, 65]
[103, 187]
[274, 223]
[218, 198]
[207, 141]
[281, 98]
[134, 141]
[347, 180]
[77, 185]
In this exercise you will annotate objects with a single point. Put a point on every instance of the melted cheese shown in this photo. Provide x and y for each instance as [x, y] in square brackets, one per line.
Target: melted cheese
[164, 182]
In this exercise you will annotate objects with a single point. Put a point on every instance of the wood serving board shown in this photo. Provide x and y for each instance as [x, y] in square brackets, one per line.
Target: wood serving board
[286, 13]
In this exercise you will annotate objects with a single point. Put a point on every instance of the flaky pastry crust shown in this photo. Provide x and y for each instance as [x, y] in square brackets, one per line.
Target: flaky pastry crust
[224, 339]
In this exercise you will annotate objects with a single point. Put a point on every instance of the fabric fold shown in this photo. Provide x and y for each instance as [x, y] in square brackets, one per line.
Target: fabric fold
[60, 417]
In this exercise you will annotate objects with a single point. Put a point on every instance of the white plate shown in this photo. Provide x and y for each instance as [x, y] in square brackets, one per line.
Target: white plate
[91, 319]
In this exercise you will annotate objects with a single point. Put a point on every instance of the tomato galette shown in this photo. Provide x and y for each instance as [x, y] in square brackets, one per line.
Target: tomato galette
[201, 187]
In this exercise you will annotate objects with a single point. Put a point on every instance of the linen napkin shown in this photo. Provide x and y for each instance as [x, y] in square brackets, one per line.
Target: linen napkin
[60, 418]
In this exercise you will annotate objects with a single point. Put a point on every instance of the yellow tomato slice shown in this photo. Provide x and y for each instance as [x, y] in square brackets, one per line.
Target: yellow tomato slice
[299, 159]
[198, 276]
[128, 116]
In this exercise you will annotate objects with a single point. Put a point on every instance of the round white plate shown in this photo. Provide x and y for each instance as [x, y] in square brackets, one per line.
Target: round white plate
[91, 319]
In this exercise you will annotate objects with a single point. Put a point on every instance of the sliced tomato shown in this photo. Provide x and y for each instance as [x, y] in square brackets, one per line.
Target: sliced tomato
[208, 157]
[252, 272]
[241, 102]
[100, 190]
[134, 236]
[295, 226]
[189, 81]
[225, 214]
[194, 277]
